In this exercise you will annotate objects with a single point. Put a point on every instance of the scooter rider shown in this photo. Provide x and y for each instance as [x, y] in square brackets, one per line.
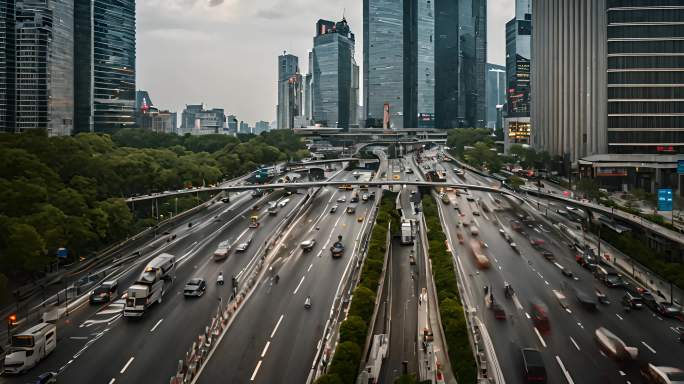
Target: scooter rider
[219, 280]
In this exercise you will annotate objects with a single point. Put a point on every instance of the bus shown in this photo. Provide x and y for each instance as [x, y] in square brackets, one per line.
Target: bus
[30, 347]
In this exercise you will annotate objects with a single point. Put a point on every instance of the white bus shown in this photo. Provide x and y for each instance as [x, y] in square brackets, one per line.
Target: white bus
[149, 288]
[30, 347]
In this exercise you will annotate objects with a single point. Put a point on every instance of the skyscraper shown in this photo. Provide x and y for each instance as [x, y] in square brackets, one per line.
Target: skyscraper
[289, 90]
[460, 61]
[333, 93]
[196, 120]
[7, 65]
[104, 65]
[399, 59]
[518, 54]
[568, 79]
[645, 76]
[496, 92]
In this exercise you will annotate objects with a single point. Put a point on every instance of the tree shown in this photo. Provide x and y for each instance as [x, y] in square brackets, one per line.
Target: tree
[589, 187]
[516, 182]
[25, 250]
[459, 138]
[354, 329]
[329, 379]
[345, 361]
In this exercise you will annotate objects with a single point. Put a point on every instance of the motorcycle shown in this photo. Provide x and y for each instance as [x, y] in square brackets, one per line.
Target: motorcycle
[307, 302]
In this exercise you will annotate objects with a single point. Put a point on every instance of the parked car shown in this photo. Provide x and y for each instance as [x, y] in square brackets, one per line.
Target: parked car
[195, 287]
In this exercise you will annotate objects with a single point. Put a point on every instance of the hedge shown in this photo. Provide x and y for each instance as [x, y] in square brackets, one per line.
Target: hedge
[354, 330]
[450, 308]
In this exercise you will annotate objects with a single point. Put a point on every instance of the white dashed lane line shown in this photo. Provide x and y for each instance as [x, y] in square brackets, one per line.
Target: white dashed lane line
[649, 347]
[575, 343]
[275, 329]
[125, 367]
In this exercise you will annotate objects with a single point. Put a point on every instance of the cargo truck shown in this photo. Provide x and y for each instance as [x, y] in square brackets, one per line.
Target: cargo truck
[408, 231]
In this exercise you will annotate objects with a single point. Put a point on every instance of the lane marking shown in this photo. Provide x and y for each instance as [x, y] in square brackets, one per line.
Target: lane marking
[255, 371]
[298, 285]
[580, 325]
[127, 364]
[79, 338]
[618, 316]
[541, 339]
[156, 325]
[263, 353]
[565, 371]
[309, 269]
[112, 380]
[622, 373]
[575, 343]
[277, 325]
[528, 315]
[649, 347]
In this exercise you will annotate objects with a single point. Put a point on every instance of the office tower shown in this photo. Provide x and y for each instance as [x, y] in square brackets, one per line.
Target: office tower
[334, 100]
[645, 76]
[425, 64]
[460, 63]
[568, 79]
[196, 120]
[104, 65]
[383, 61]
[260, 126]
[496, 92]
[518, 54]
[289, 90]
[244, 127]
[7, 65]
[232, 124]
[308, 89]
[43, 66]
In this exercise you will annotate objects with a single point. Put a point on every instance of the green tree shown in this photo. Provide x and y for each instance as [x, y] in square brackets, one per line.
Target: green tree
[345, 362]
[459, 138]
[516, 182]
[25, 250]
[354, 329]
[329, 379]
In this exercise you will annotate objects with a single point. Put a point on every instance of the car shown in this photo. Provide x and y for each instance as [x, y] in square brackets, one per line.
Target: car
[567, 272]
[548, 255]
[536, 241]
[195, 287]
[534, 370]
[632, 301]
[307, 245]
[342, 199]
[364, 197]
[360, 219]
[476, 213]
[413, 192]
[412, 260]
[244, 245]
[333, 209]
[47, 378]
[105, 292]
[470, 198]
[337, 249]
[409, 171]
[225, 200]
[670, 310]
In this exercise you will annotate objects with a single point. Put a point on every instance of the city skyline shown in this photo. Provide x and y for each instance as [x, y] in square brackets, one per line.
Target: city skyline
[185, 35]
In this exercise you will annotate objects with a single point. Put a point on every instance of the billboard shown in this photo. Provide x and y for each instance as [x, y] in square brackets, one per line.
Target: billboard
[665, 199]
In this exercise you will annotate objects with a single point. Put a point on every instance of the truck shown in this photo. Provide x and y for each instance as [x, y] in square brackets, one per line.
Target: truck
[272, 208]
[613, 346]
[407, 231]
[480, 258]
[28, 348]
[149, 287]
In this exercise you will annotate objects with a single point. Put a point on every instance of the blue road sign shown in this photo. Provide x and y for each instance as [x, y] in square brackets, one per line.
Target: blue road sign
[665, 200]
[62, 253]
[680, 167]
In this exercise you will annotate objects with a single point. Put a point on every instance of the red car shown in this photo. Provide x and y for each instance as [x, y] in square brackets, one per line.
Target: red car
[534, 241]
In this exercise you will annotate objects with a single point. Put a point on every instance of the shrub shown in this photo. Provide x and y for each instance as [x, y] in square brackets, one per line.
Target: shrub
[345, 362]
[353, 329]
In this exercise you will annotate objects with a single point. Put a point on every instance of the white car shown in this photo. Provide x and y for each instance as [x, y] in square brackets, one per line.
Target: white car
[283, 203]
[307, 245]
[342, 199]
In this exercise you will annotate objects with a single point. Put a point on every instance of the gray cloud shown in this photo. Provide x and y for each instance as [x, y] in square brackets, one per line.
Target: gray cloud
[213, 3]
[269, 14]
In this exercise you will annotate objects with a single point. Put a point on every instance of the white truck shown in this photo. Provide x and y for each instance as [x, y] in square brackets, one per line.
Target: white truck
[149, 288]
[614, 346]
[30, 347]
[408, 231]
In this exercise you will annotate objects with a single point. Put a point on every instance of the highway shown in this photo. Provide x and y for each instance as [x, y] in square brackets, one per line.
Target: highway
[570, 352]
[274, 338]
[147, 349]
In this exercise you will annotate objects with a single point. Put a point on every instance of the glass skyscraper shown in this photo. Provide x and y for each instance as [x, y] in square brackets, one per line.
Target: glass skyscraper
[517, 124]
[7, 65]
[425, 59]
[333, 95]
[645, 76]
[460, 63]
[105, 65]
[290, 89]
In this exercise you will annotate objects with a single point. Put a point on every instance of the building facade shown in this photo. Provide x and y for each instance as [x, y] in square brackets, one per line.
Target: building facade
[290, 88]
[425, 62]
[196, 120]
[517, 125]
[645, 76]
[568, 78]
[105, 65]
[334, 98]
[261, 126]
[7, 65]
[460, 63]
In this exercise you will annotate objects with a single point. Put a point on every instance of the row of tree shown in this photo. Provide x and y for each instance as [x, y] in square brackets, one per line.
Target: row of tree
[68, 191]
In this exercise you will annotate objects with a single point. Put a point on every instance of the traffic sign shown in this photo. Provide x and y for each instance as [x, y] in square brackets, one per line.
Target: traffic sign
[680, 167]
[665, 200]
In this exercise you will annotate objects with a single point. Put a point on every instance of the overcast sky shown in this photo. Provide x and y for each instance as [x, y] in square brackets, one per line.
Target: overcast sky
[224, 52]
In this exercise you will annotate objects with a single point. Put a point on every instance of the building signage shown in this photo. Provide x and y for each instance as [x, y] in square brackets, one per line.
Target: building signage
[665, 200]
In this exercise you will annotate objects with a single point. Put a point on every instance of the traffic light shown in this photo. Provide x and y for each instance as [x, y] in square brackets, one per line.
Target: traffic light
[12, 320]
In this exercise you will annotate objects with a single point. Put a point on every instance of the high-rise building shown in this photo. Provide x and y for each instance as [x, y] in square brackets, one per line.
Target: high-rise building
[518, 54]
[460, 63]
[36, 66]
[196, 120]
[244, 128]
[232, 124]
[496, 92]
[333, 94]
[104, 65]
[645, 76]
[7, 65]
[289, 90]
[308, 90]
[568, 79]
[399, 63]
[260, 126]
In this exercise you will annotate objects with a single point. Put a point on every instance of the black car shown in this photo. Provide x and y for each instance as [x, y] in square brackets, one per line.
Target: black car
[195, 287]
[534, 370]
[106, 292]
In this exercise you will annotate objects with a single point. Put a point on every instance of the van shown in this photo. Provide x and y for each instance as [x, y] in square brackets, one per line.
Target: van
[533, 366]
[106, 292]
[30, 347]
